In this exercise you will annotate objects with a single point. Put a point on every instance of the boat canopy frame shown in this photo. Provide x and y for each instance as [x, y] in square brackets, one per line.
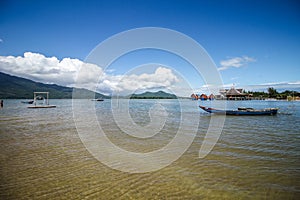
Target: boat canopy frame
[36, 94]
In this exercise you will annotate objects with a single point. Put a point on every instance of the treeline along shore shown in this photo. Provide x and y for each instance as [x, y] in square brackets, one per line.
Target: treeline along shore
[240, 94]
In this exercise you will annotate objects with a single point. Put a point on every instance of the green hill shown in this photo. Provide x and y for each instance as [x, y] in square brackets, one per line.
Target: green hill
[13, 87]
[153, 95]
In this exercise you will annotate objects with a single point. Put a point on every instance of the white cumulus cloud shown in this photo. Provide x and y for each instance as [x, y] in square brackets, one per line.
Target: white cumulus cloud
[64, 72]
[162, 77]
[37, 67]
[235, 62]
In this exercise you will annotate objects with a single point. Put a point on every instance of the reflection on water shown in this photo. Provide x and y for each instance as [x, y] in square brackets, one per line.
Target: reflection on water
[42, 156]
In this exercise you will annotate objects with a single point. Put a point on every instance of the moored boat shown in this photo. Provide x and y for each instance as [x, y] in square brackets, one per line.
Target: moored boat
[241, 111]
[28, 102]
[99, 99]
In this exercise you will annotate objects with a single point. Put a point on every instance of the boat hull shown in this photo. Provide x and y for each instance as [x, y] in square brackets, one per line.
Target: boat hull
[268, 111]
[27, 102]
[42, 106]
[97, 99]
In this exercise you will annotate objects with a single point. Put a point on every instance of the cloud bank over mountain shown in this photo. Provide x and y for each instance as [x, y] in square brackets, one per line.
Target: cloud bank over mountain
[44, 69]
[64, 72]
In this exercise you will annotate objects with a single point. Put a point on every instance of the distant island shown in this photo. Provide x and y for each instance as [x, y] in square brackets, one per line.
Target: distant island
[153, 95]
[13, 87]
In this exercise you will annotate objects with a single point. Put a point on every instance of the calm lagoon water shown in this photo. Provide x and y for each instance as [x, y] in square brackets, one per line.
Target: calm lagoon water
[256, 157]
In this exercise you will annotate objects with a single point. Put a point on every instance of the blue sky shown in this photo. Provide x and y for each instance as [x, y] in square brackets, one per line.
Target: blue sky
[252, 43]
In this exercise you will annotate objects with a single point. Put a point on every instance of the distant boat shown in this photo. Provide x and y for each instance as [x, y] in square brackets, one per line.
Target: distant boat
[42, 106]
[242, 111]
[28, 102]
[99, 99]
[270, 99]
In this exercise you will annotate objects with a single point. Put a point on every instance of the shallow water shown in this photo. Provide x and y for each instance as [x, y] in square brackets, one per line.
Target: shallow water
[256, 157]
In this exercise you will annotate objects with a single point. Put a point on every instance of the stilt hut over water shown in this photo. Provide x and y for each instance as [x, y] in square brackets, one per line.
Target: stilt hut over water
[236, 94]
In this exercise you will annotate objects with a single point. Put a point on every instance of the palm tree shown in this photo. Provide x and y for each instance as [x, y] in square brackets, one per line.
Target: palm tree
[272, 92]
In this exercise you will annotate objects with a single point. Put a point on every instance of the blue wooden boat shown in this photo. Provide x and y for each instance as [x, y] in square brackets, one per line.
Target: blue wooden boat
[241, 111]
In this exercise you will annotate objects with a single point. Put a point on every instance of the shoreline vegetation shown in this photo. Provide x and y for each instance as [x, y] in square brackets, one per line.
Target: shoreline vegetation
[273, 94]
[243, 95]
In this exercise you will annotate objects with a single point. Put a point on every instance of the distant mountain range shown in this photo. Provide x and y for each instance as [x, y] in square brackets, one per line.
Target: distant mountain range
[153, 95]
[13, 87]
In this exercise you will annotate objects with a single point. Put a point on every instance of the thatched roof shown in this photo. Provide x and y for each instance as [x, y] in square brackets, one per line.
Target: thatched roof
[234, 92]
